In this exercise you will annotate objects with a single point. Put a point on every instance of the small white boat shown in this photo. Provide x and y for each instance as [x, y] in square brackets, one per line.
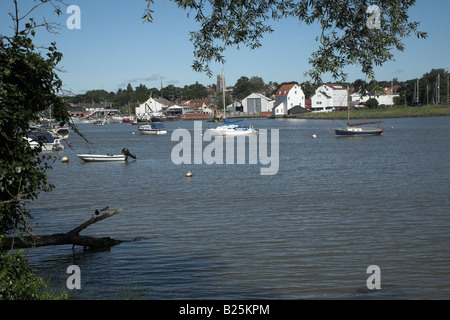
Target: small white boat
[102, 157]
[106, 157]
[152, 128]
[229, 128]
[232, 130]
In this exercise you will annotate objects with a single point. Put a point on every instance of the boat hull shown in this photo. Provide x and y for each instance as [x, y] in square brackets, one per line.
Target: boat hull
[102, 157]
[46, 140]
[56, 146]
[231, 130]
[358, 132]
[152, 132]
[152, 129]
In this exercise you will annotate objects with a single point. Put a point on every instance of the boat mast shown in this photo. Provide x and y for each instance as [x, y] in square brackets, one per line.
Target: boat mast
[348, 109]
[448, 98]
[417, 91]
[223, 88]
[438, 100]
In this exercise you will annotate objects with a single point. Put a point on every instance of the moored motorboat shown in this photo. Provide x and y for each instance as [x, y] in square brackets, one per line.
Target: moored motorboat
[107, 157]
[45, 139]
[154, 128]
[101, 157]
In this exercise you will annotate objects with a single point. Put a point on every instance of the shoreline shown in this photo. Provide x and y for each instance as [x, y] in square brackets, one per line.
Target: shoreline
[379, 113]
[395, 112]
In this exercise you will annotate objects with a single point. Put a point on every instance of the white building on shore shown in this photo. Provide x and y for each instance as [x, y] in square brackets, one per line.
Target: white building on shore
[256, 103]
[152, 105]
[287, 97]
[329, 97]
[383, 99]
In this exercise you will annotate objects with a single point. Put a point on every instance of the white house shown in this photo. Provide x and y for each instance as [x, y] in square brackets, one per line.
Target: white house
[279, 109]
[386, 100]
[151, 105]
[256, 103]
[355, 98]
[329, 97]
[287, 97]
[383, 99]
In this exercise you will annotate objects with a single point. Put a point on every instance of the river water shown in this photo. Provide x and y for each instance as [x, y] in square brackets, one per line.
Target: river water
[335, 207]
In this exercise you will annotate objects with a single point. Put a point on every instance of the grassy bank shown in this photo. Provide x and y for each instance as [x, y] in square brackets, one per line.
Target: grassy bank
[380, 113]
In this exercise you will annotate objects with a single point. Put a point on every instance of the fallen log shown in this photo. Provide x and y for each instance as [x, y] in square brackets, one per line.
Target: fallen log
[72, 237]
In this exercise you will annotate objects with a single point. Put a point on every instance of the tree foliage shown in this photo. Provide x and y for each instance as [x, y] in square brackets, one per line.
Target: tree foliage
[245, 86]
[346, 38]
[18, 282]
[28, 85]
[308, 89]
[195, 91]
[372, 103]
[433, 84]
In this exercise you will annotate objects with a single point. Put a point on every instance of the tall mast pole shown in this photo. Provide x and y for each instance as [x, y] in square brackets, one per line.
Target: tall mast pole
[438, 89]
[348, 109]
[223, 88]
[417, 90]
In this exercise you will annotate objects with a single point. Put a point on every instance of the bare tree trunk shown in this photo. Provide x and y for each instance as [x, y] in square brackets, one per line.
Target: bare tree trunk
[72, 237]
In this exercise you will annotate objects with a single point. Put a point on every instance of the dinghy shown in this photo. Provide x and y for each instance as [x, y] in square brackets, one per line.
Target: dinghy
[107, 157]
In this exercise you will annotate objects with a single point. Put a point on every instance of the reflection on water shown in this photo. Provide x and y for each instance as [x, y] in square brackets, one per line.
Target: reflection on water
[336, 206]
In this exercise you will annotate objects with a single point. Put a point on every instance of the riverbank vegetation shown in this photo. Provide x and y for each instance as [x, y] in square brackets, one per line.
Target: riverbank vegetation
[18, 282]
[408, 92]
[382, 113]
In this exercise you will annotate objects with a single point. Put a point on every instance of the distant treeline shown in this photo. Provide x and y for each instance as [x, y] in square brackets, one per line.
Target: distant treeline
[427, 90]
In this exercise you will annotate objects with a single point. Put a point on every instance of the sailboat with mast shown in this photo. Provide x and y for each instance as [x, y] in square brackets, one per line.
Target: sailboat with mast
[356, 129]
[230, 128]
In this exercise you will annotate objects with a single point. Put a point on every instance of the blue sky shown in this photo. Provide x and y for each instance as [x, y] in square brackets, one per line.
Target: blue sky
[114, 47]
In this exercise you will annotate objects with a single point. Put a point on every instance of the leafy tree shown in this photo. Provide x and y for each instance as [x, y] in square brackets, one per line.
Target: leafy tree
[346, 37]
[241, 89]
[372, 103]
[28, 85]
[155, 92]
[399, 101]
[171, 93]
[257, 84]
[142, 93]
[308, 89]
[195, 91]
[428, 84]
[96, 96]
[245, 86]
[359, 85]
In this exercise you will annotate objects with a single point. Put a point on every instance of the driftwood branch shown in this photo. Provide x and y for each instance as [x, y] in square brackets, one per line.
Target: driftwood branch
[72, 237]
